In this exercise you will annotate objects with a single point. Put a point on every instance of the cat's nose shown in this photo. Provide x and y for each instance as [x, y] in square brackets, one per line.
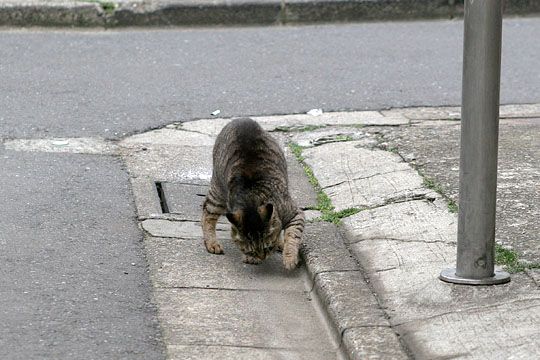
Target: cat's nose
[261, 254]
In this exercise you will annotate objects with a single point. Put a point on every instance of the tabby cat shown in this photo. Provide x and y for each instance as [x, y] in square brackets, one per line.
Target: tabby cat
[249, 185]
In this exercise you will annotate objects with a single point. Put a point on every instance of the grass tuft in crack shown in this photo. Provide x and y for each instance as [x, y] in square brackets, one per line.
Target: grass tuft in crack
[335, 217]
[510, 260]
[433, 185]
[324, 204]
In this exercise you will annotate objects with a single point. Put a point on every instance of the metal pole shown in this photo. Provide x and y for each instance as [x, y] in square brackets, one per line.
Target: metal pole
[479, 143]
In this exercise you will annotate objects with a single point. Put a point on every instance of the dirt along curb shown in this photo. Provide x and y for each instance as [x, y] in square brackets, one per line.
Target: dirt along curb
[118, 13]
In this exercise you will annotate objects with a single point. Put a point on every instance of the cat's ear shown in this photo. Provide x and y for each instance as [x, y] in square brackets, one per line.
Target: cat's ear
[266, 211]
[235, 218]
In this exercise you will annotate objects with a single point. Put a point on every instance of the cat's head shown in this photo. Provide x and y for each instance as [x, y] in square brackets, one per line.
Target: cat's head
[256, 229]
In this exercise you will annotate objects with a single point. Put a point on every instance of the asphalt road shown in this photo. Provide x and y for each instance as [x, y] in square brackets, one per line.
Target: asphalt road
[109, 83]
[73, 280]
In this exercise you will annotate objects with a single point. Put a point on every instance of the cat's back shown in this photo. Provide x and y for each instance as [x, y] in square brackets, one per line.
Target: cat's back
[244, 146]
[246, 138]
[239, 132]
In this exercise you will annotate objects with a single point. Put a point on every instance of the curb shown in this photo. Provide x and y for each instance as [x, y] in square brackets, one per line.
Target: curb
[351, 306]
[110, 14]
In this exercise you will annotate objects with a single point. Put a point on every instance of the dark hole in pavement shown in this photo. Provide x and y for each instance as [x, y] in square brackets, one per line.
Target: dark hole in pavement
[162, 198]
[182, 199]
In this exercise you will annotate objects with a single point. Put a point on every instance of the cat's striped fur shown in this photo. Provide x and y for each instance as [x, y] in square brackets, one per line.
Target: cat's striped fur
[250, 186]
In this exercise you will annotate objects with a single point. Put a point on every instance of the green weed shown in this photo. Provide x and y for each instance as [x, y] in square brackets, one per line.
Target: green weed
[324, 204]
[510, 260]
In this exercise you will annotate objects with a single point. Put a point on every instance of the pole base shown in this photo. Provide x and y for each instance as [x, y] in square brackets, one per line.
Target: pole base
[449, 275]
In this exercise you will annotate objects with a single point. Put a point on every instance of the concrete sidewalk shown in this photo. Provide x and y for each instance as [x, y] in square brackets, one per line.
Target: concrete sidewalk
[380, 192]
[119, 13]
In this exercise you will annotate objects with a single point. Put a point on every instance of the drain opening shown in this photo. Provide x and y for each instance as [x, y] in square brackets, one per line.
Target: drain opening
[162, 198]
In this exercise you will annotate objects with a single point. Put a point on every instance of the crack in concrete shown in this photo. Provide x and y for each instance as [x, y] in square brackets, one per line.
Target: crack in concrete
[472, 309]
[377, 238]
[247, 346]
[401, 199]
[193, 131]
[527, 272]
[214, 288]
[389, 269]
[415, 196]
[349, 180]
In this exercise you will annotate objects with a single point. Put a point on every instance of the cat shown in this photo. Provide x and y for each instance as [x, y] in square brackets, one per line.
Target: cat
[249, 185]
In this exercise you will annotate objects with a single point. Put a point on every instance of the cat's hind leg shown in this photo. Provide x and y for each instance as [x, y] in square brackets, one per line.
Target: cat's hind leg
[211, 213]
[292, 240]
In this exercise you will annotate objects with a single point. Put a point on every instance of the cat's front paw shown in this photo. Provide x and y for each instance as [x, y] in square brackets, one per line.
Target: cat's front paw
[290, 260]
[251, 260]
[213, 247]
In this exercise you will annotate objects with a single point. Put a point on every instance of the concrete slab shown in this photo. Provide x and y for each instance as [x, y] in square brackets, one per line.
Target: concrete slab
[378, 190]
[416, 221]
[254, 319]
[337, 163]
[181, 229]
[373, 343]
[365, 178]
[384, 255]
[168, 136]
[178, 263]
[197, 352]
[211, 127]
[146, 197]
[169, 163]
[405, 276]
[506, 331]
